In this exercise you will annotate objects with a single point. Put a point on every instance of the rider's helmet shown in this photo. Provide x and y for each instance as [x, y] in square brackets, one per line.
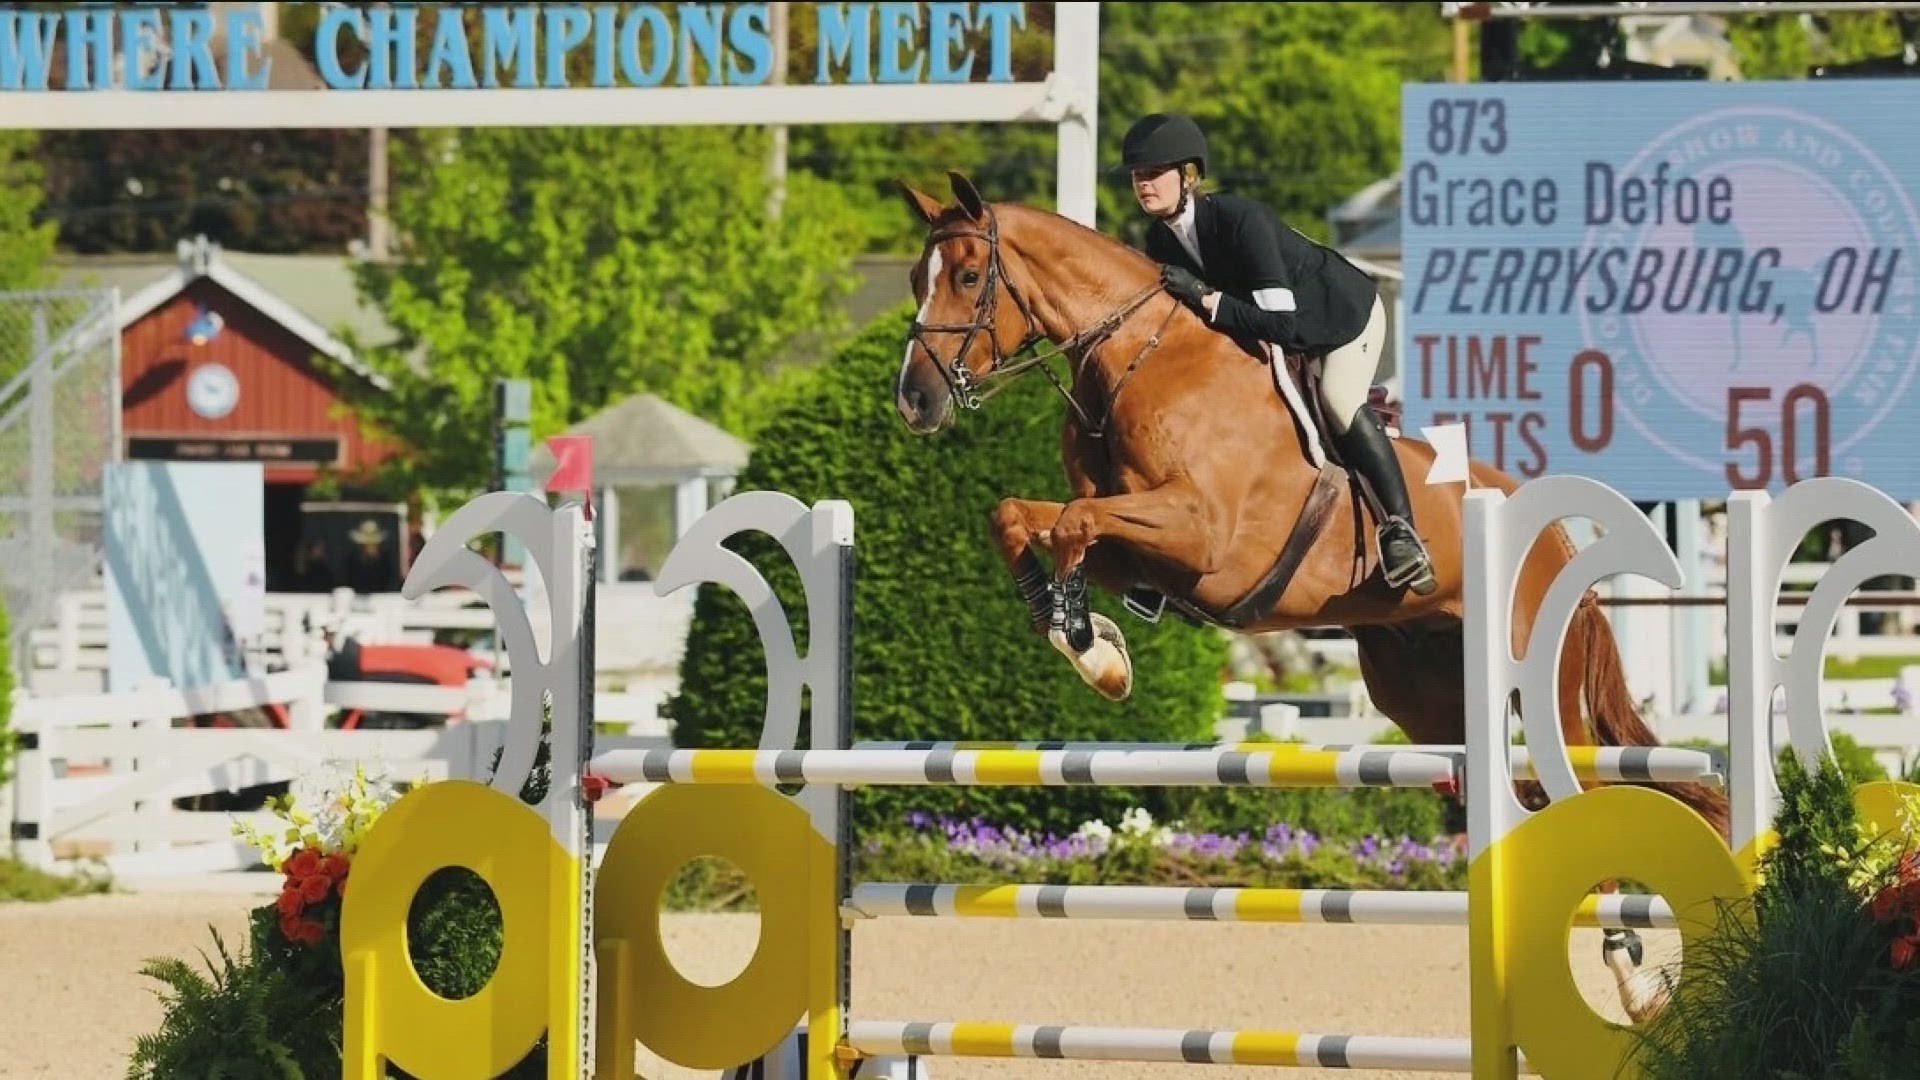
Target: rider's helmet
[1163, 139]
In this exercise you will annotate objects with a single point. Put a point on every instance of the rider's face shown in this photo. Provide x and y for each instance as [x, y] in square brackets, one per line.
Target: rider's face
[1158, 189]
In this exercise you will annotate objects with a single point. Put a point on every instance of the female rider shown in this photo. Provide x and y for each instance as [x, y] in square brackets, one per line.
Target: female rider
[1249, 274]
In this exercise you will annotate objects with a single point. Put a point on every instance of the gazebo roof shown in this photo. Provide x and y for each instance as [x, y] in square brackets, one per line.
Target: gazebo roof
[645, 440]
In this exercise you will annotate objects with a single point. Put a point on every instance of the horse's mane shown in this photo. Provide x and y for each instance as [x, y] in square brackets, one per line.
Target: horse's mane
[1120, 269]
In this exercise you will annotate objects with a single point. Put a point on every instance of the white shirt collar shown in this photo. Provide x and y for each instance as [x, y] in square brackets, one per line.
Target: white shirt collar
[1183, 227]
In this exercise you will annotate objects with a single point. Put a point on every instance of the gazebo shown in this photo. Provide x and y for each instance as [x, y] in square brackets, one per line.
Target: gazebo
[646, 443]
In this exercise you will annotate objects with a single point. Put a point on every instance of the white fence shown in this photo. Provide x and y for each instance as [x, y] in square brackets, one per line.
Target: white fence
[636, 630]
[97, 774]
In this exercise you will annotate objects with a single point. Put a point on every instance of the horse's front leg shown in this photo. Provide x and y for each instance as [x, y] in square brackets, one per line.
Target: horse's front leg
[1017, 523]
[1171, 522]
[1058, 608]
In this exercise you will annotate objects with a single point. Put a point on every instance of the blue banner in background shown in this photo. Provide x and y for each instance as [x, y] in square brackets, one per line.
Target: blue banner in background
[1676, 289]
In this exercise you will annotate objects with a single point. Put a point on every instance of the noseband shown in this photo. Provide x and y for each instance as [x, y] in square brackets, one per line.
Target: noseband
[965, 386]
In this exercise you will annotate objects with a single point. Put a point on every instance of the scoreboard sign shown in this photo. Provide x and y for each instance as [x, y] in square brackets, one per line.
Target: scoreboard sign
[1678, 289]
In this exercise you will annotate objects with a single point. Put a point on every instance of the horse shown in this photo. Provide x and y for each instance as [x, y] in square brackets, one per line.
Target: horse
[1191, 476]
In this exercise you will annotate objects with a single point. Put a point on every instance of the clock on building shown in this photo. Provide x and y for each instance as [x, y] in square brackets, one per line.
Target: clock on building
[212, 391]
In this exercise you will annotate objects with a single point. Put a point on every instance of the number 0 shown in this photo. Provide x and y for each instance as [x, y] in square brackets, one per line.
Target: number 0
[1790, 430]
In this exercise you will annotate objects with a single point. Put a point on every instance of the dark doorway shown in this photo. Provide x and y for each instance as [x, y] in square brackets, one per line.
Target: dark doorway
[282, 536]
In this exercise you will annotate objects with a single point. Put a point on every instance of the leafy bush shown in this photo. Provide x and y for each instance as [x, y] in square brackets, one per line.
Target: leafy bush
[1807, 978]
[943, 650]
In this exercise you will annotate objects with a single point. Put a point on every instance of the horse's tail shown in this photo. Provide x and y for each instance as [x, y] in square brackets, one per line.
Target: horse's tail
[1616, 721]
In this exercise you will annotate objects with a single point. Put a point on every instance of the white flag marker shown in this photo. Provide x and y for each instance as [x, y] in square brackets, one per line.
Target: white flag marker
[1449, 442]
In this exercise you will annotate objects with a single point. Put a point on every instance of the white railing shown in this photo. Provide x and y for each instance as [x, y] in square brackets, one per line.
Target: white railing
[637, 631]
[97, 774]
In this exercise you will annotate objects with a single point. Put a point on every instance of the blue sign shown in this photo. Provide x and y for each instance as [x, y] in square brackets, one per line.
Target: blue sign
[185, 571]
[1679, 289]
[523, 46]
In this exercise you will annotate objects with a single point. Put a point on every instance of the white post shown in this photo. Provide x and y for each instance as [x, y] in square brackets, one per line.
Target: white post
[689, 502]
[1076, 73]
[32, 782]
[308, 709]
[150, 813]
[608, 515]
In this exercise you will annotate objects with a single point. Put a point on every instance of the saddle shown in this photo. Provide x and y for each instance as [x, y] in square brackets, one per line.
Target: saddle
[1297, 378]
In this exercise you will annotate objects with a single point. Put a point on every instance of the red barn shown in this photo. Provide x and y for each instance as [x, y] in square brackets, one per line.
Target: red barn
[216, 365]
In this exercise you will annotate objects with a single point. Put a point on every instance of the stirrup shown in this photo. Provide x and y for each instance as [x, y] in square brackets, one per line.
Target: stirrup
[1417, 573]
[1144, 603]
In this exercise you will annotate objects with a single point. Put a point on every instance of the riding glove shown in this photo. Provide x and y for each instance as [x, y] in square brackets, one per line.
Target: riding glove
[1182, 285]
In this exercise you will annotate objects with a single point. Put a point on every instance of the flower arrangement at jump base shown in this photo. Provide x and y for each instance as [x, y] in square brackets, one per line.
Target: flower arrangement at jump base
[315, 852]
[278, 1009]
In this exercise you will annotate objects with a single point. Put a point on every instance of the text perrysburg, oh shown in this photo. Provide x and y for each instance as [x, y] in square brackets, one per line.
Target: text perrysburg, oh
[1606, 198]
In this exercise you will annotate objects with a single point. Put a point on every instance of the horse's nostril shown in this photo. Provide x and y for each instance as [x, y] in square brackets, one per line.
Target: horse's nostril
[917, 401]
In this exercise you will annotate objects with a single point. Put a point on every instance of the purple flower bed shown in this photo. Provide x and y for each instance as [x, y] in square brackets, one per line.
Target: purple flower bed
[1143, 853]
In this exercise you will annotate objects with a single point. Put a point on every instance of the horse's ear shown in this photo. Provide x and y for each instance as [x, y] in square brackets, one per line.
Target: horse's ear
[969, 196]
[921, 203]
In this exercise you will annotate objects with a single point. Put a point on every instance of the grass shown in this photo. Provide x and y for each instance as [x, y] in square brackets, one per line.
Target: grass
[20, 882]
[1865, 667]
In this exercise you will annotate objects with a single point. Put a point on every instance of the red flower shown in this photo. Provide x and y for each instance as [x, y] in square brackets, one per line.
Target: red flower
[312, 932]
[304, 864]
[1904, 949]
[291, 903]
[335, 866]
[1886, 904]
[315, 888]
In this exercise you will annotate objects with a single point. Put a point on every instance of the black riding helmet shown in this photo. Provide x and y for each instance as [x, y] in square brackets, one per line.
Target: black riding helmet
[1163, 139]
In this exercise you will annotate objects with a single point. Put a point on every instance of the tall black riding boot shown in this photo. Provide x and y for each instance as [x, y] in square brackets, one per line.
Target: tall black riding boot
[1367, 449]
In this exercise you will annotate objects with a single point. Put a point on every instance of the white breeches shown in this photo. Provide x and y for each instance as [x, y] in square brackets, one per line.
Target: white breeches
[1346, 375]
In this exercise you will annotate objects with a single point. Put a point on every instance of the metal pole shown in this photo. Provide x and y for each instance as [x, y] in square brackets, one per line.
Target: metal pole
[1076, 70]
[40, 473]
[777, 156]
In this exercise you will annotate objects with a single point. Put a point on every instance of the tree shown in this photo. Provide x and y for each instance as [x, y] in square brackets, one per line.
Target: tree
[1787, 46]
[25, 244]
[596, 263]
[1300, 103]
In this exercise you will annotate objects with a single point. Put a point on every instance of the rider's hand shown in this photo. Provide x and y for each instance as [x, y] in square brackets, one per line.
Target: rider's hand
[1182, 285]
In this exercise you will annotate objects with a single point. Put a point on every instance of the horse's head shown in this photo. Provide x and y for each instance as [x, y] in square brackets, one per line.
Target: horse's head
[962, 334]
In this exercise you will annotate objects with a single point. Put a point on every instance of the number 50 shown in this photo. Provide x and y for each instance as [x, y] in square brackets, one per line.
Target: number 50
[1739, 436]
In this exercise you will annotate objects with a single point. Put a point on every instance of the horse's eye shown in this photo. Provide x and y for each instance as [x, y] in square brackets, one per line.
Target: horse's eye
[969, 278]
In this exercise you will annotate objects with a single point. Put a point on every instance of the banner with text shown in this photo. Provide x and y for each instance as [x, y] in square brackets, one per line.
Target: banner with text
[1677, 289]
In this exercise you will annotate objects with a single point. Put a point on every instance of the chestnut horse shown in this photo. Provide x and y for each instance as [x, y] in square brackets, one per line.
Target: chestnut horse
[1191, 476]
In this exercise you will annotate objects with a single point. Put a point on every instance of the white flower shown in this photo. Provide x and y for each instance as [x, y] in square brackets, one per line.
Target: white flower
[1094, 830]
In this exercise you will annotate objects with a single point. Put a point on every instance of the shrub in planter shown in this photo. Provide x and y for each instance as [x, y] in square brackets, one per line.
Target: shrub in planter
[1816, 975]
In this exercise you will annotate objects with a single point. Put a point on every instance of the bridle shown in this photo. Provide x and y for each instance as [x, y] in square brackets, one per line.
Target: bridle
[965, 386]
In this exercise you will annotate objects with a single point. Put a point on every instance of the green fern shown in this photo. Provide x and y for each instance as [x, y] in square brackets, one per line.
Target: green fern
[240, 1021]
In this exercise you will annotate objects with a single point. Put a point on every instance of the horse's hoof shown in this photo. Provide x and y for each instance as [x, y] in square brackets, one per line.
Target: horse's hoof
[1106, 665]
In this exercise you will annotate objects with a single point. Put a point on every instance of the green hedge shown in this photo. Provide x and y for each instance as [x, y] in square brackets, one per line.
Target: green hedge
[942, 649]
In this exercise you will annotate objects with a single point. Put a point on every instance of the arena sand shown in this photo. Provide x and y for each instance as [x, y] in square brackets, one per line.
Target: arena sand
[72, 1000]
